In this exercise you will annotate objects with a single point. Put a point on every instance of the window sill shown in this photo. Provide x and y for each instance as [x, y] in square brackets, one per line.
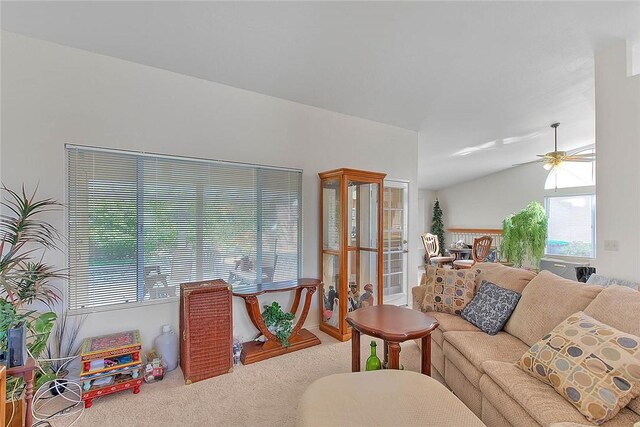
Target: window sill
[568, 258]
[123, 306]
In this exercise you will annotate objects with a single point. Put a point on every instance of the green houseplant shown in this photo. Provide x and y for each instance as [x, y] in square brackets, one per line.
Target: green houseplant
[524, 235]
[437, 226]
[25, 280]
[278, 322]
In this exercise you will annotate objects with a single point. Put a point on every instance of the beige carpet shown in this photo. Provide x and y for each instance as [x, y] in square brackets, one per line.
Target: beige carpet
[264, 393]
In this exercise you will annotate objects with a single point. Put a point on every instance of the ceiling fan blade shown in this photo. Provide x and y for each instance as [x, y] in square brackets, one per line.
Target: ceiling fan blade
[591, 156]
[579, 159]
[528, 163]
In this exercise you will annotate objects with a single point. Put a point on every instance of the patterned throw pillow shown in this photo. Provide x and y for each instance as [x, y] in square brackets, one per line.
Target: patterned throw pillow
[490, 309]
[592, 365]
[448, 291]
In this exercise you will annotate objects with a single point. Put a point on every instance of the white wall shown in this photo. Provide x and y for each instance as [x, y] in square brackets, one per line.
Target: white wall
[485, 202]
[54, 95]
[617, 172]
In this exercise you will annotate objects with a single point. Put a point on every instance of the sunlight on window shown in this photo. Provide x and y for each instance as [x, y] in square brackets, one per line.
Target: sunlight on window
[572, 174]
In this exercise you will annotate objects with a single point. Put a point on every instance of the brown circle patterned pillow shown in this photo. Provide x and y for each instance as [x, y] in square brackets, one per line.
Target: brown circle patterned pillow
[592, 365]
[447, 290]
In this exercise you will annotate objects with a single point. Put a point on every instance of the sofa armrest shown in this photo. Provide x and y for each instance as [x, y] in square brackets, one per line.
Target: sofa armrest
[417, 296]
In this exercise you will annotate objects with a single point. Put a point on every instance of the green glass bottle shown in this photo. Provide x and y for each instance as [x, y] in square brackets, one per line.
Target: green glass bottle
[373, 363]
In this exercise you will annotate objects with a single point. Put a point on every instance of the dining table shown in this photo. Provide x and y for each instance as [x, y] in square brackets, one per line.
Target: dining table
[460, 253]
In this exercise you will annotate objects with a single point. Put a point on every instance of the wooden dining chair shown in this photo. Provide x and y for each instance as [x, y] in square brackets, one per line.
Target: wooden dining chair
[480, 253]
[432, 248]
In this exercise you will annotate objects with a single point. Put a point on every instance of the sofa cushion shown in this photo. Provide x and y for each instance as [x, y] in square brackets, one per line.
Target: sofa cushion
[511, 278]
[437, 358]
[469, 394]
[448, 291]
[613, 306]
[505, 386]
[592, 365]
[546, 301]
[417, 296]
[490, 309]
[467, 350]
[449, 322]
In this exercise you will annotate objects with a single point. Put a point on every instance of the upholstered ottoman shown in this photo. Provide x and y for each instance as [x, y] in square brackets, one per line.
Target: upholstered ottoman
[382, 398]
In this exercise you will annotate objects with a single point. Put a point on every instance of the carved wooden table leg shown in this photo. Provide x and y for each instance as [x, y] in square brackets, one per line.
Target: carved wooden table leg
[355, 350]
[299, 338]
[28, 397]
[253, 309]
[386, 354]
[426, 355]
[394, 355]
[305, 310]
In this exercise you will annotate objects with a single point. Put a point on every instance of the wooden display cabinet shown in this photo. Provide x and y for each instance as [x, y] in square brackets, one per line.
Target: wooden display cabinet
[350, 246]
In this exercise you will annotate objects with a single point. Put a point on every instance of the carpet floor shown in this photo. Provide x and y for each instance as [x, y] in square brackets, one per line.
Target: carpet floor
[264, 393]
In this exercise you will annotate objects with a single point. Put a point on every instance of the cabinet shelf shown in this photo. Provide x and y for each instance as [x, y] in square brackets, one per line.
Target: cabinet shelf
[115, 370]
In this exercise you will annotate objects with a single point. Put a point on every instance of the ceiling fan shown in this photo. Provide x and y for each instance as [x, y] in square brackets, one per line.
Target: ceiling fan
[555, 158]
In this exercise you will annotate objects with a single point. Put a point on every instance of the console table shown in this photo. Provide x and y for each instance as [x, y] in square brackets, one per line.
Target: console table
[253, 351]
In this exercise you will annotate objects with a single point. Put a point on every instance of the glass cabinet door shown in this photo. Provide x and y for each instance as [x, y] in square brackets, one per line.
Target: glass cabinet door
[331, 232]
[363, 245]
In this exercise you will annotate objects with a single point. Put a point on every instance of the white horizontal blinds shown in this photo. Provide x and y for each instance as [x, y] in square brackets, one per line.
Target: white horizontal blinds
[140, 225]
[171, 220]
[230, 223]
[280, 209]
[102, 228]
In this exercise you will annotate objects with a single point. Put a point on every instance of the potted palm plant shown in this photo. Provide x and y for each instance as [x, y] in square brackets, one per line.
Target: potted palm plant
[25, 279]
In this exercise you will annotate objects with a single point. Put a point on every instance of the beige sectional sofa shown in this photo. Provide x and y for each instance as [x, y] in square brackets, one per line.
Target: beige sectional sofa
[480, 368]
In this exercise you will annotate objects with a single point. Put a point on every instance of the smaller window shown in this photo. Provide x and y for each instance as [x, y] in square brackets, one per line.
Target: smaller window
[571, 225]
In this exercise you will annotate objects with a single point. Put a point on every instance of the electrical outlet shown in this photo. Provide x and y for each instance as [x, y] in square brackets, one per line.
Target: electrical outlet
[611, 245]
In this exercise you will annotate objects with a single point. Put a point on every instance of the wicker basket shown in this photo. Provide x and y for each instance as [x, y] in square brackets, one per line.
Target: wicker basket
[206, 329]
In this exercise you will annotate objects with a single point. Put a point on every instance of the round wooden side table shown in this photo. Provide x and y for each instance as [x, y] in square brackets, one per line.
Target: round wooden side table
[393, 325]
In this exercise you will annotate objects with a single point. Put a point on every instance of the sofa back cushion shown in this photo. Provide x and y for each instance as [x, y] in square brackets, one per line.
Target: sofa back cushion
[618, 306]
[514, 279]
[546, 301]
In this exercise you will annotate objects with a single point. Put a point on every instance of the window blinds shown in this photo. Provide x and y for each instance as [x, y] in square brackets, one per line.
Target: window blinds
[139, 224]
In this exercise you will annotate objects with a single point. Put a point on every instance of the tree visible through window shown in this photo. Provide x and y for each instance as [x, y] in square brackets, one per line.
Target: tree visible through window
[139, 225]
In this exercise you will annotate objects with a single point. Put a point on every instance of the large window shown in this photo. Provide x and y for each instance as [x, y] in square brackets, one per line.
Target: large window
[571, 206]
[139, 225]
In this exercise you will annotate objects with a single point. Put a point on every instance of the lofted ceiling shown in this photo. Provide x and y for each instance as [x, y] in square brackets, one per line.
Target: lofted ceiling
[479, 81]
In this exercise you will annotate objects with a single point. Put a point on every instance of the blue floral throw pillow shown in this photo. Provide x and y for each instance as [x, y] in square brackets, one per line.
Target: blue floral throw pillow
[490, 309]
